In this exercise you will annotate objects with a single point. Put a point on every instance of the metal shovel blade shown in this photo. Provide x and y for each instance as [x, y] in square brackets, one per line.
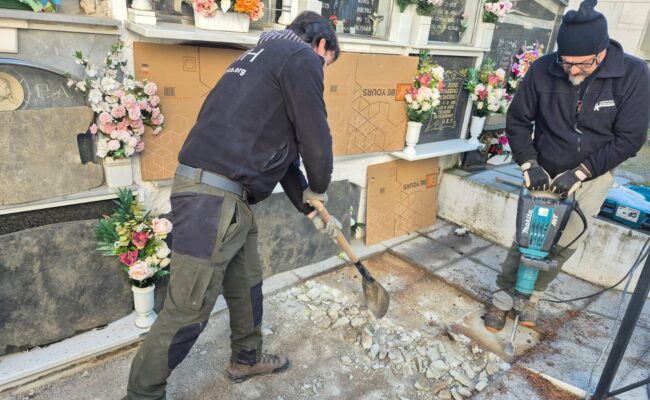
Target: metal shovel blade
[377, 298]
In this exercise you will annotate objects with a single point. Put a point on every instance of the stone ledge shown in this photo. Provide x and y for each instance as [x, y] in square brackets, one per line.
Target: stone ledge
[58, 18]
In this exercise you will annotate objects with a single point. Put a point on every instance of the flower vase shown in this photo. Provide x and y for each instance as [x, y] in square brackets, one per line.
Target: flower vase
[220, 21]
[340, 28]
[420, 30]
[143, 302]
[475, 129]
[412, 136]
[118, 172]
[484, 35]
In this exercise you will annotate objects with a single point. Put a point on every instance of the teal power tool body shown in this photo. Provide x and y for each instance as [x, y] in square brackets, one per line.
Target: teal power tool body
[541, 219]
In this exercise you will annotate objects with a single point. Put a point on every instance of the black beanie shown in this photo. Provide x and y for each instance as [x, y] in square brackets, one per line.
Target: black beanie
[582, 32]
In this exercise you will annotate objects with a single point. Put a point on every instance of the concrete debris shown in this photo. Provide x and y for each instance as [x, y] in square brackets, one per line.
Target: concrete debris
[382, 354]
[366, 339]
[303, 298]
[346, 360]
[357, 322]
[314, 293]
[464, 392]
[461, 378]
[481, 385]
[468, 370]
[456, 395]
[378, 366]
[395, 356]
[422, 384]
[343, 321]
[374, 351]
[439, 364]
[324, 323]
[318, 315]
[86, 373]
[476, 349]
[444, 395]
[505, 366]
[267, 332]
[492, 368]
[333, 314]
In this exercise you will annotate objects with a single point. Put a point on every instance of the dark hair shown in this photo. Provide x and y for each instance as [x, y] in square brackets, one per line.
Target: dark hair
[312, 27]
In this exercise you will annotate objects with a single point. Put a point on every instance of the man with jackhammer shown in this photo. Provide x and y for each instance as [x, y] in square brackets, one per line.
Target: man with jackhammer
[588, 107]
[265, 113]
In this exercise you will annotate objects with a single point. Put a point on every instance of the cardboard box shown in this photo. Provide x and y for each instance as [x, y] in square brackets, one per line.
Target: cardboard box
[184, 75]
[364, 99]
[402, 198]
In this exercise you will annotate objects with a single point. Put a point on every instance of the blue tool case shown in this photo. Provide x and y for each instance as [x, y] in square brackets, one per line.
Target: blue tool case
[629, 205]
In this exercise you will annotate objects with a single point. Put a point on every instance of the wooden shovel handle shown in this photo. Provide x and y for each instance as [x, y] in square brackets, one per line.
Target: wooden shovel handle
[325, 216]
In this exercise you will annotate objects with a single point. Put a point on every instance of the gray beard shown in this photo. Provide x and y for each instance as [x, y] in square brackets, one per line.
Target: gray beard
[576, 81]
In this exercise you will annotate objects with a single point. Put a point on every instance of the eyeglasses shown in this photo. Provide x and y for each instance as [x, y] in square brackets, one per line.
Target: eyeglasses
[584, 65]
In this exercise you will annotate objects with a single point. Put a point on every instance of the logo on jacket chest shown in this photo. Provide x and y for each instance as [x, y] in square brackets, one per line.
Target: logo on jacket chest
[603, 104]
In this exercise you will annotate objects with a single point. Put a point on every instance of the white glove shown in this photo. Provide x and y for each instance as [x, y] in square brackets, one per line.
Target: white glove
[308, 194]
[331, 229]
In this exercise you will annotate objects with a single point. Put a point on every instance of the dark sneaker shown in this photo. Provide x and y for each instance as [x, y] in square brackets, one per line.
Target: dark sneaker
[495, 319]
[529, 315]
[267, 364]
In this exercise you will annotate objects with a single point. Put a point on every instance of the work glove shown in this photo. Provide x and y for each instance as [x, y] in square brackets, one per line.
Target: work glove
[569, 181]
[331, 229]
[535, 177]
[308, 195]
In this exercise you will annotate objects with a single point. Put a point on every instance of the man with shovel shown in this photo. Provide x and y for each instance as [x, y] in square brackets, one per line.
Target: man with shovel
[588, 105]
[265, 113]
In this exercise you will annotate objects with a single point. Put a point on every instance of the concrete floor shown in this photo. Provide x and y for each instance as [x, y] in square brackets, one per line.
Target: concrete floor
[438, 299]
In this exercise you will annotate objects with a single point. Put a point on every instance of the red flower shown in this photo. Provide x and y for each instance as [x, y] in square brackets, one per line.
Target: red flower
[140, 239]
[425, 79]
[482, 94]
[503, 139]
[129, 258]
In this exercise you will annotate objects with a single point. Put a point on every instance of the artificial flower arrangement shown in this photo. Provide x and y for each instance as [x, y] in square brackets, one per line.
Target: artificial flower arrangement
[423, 97]
[208, 8]
[423, 7]
[496, 143]
[487, 89]
[494, 10]
[521, 63]
[122, 105]
[464, 22]
[136, 239]
[335, 21]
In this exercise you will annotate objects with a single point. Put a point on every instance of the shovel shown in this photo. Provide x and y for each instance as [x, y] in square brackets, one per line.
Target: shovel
[377, 298]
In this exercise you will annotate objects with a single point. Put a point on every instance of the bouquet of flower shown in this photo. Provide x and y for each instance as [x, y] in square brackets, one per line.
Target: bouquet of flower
[122, 105]
[496, 144]
[495, 9]
[464, 22]
[424, 96]
[521, 62]
[486, 87]
[208, 8]
[136, 239]
[423, 7]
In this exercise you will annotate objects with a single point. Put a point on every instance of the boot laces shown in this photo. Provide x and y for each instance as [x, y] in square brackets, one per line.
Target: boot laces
[269, 358]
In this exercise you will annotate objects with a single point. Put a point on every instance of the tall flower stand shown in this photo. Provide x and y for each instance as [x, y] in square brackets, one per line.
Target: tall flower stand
[412, 136]
[143, 303]
[118, 172]
[475, 129]
[420, 30]
[484, 34]
[229, 21]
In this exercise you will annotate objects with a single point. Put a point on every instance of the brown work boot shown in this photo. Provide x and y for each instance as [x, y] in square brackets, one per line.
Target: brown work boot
[267, 364]
[529, 315]
[495, 319]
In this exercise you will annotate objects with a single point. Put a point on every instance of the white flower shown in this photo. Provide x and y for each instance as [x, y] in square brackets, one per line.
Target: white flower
[129, 151]
[81, 85]
[408, 98]
[95, 96]
[415, 105]
[102, 148]
[425, 92]
[426, 107]
[109, 84]
[91, 71]
[419, 98]
[479, 105]
[500, 73]
[70, 83]
[473, 97]
[128, 84]
[164, 263]
[480, 87]
[435, 103]
[140, 271]
[163, 251]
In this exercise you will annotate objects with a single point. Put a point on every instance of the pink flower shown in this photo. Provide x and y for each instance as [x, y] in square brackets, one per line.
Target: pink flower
[493, 80]
[119, 112]
[140, 271]
[119, 93]
[161, 226]
[425, 79]
[132, 141]
[150, 88]
[93, 129]
[440, 86]
[123, 124]
[154, 101]
[108, 128]
[129, 258]
[113, 145]
[502, 139]
[142, 104]
[129, 101]
[104, 118]
[140, 239]
[134, 112]
[156, 131]
[139, 147]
